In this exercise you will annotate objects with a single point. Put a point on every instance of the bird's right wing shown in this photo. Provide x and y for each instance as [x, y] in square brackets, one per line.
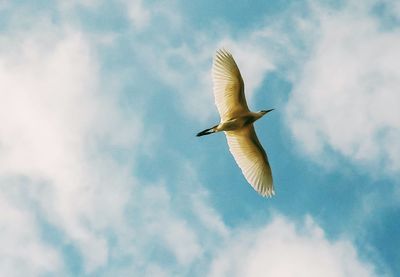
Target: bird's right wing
[228, 86]
[251, 158]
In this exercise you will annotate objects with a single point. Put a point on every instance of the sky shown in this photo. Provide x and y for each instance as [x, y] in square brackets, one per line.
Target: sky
[101, 173]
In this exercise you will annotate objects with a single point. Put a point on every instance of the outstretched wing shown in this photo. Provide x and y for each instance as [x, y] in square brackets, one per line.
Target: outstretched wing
[228, 86]
[252, 159]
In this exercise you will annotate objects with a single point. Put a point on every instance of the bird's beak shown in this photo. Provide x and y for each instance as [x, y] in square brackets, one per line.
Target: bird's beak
[270, 110]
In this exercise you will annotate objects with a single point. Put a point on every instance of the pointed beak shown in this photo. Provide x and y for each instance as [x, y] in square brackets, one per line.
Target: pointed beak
[270, 110]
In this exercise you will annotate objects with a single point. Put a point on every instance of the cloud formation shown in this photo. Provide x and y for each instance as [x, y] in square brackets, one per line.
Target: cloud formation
[23, 252]
[54, 120]
[281, 248]
[345, 100]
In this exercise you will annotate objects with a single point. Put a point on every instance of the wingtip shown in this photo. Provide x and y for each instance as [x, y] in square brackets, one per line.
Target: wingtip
[223, 52]
[268, 193]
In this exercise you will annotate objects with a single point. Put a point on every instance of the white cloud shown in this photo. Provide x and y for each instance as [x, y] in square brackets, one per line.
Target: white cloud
[66, 5]
[283, 249]
[23, 252]
[143, 15]
[208, 216]
[178, 225]
[164, 224]
[346, 97]
[172, 63]
[55, 120]
[138, 14]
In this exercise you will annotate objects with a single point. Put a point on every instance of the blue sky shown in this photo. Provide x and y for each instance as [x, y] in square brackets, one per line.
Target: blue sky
[100, 170]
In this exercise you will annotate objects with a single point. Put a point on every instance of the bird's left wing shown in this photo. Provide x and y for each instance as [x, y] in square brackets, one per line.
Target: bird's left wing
[251, 158]
[228, 86]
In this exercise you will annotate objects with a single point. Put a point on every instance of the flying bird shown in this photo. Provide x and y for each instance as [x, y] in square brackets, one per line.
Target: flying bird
[237, 123]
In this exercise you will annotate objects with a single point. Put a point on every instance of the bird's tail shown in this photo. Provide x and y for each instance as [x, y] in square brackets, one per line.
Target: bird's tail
[207, 131]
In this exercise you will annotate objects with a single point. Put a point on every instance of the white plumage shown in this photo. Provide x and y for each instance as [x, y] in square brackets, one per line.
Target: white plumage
[228, 87]
[237, 122]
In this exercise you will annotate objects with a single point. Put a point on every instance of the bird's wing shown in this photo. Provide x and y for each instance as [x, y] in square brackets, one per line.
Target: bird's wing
[251, 158]
[228, 86]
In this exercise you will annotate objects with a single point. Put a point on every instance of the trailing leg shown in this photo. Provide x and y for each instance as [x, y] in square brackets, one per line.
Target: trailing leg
[207, 131]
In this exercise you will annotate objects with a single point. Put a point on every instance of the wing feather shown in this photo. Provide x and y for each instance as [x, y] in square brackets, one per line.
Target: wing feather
[228, 86]
[252, 159]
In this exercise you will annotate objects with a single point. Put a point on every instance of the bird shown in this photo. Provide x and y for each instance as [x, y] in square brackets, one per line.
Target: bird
[237, 123]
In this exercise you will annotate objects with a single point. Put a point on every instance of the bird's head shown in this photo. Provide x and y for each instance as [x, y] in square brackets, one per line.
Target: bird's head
[264, 112]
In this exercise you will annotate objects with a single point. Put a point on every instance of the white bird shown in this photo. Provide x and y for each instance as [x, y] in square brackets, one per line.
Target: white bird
[237, 123]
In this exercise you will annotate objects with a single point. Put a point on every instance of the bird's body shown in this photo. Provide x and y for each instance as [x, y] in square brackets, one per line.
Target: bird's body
[237, 123]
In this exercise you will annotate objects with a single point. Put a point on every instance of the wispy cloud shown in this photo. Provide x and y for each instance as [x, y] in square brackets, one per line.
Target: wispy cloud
[23, 250]
[282, 248]
[345, 99]
[54, 120]
[139, 15]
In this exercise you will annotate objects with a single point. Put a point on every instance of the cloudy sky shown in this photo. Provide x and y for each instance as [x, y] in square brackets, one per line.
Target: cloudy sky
[100, 170]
